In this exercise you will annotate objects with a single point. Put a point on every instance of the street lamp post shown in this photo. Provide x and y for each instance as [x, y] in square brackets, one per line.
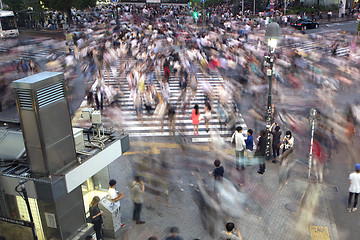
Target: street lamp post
[26, 199]
[272, 34]
[312, 119]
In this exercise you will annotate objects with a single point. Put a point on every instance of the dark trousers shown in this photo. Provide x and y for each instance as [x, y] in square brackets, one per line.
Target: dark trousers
[261, 163]
[276, 151]
[137, 210]
[355, 199]
[97, 229]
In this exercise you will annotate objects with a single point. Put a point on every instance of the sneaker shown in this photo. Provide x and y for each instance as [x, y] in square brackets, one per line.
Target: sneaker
[349, 209]
[140, 222]
[354, 209]
[123, 225]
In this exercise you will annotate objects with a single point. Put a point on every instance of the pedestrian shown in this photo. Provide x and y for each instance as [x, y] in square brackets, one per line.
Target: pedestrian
[218, 172]
[137, 196]
[174, 234]
[231, 232]
[276, 141]
[334, 48]
[152, 238]
[260, 152]
[287, 146]
[195, 116]
[89, 237]
[96, 217]
[285, 160]
[238, 139]
[319, 159]
[207, 115]
[115, 197]
[329, 15]
[354, 189]
[249, 142]
[171, 120]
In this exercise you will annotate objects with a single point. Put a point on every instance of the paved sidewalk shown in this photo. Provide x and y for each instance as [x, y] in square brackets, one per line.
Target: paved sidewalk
[261, 210]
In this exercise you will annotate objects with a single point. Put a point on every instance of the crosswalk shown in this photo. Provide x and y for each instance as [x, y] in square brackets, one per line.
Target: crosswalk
[151, 124]
[308, 46]
[36, 52]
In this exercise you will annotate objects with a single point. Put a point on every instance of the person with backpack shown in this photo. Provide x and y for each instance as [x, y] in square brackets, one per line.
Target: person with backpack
[231, 232]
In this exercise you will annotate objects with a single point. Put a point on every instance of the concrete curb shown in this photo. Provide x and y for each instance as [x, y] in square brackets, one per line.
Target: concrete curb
[335, 234]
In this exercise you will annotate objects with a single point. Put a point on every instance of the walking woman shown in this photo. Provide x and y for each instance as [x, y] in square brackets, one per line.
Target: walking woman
[96, 216]
[207, 115]
[195, 119]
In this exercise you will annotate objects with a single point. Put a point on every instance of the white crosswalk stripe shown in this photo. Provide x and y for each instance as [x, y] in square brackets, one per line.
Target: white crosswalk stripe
[308, 46]
[151, 125]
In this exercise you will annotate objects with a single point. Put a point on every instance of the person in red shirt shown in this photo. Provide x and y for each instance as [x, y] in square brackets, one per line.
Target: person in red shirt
[319, 157]
[195, 114]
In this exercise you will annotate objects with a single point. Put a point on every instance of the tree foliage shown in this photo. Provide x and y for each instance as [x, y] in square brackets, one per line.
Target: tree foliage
[64, 5]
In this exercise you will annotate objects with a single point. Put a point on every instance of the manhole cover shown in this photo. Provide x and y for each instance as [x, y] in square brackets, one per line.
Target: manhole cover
[292, 207]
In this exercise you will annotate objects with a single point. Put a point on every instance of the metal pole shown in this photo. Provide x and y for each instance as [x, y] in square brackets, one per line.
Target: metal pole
[269, 110]
[23, 190]
[312, 116]
[284, 7]
[254, 9]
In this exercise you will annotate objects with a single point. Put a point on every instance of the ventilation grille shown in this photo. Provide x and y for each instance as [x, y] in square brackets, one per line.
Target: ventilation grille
[24, 99]
[50, 94]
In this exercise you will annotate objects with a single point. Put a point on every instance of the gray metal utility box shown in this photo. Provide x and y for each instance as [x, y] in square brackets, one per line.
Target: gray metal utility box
[45, 122]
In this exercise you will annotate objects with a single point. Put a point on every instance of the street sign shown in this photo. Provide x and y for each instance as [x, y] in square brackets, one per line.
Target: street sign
[203, 1]
[358, 17]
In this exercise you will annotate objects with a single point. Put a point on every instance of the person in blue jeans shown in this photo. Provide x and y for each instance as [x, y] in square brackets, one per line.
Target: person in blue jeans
[249, 142]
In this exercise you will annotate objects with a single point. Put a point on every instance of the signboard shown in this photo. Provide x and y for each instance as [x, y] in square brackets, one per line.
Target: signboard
[358, 17]
[50, 220]
[17, 222]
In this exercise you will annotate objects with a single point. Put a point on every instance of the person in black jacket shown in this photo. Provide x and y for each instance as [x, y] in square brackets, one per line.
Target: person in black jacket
[260, 152]
[276, 141]
[96, 216]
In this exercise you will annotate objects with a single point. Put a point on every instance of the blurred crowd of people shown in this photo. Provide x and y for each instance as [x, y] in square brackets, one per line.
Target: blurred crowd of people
[144, 44]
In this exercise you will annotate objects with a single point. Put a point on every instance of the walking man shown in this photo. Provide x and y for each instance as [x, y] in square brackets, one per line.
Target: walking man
[354, 189]
[239, 141]
[137, 192]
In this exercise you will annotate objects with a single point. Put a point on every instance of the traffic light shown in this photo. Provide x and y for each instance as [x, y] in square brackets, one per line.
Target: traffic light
[195, 14]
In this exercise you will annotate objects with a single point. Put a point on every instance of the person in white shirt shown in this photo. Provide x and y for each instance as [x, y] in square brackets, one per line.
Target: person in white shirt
[354, 189]
[115, 196]
[239, 140]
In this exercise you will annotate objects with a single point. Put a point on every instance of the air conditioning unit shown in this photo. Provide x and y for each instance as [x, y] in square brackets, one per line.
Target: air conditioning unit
[78, 138]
